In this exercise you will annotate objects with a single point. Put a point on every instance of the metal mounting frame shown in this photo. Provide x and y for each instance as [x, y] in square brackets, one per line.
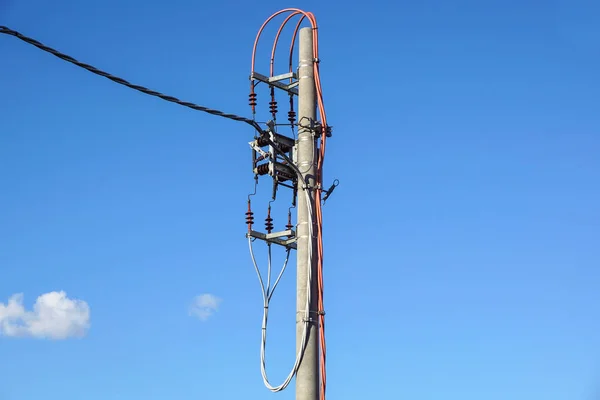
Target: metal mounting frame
[275, 81]
[276, 237]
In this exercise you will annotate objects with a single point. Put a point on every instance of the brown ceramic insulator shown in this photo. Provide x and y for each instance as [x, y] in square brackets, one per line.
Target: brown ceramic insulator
[262, 169]
[292, 117]
[269, 222]
[249, 218]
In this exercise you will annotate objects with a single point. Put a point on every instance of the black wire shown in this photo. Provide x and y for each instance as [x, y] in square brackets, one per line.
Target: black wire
[121, 81]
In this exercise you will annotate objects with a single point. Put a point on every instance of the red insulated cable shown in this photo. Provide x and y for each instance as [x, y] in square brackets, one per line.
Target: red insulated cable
[293, 42]
[310, 16]
[283, 24]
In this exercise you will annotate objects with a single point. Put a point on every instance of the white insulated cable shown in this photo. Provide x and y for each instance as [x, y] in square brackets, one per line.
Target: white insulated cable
[267, 293]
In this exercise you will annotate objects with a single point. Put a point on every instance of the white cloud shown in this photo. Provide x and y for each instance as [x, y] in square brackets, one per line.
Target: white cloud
[204, 306]
[54, 316]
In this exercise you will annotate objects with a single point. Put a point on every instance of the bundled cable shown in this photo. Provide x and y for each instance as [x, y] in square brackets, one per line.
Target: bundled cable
[7, 31]
[267, 293]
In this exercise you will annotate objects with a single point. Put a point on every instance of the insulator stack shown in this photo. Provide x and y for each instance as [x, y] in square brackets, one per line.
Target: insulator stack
[269, 221]
[252, 99]
[262, 169]
[249, 217]
[292, 113]
[289, 225]
[262, 142]
[273, 103]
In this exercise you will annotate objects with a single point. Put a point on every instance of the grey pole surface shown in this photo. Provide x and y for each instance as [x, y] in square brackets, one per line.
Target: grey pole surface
[307, 377]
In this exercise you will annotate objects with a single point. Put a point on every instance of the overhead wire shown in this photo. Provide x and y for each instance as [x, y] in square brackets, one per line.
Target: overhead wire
[121, 81]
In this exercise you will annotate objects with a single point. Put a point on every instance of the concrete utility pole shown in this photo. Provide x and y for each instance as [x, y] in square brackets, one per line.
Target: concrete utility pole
[307, 377]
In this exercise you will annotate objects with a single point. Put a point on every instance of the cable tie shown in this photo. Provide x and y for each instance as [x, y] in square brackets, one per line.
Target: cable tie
[312, 312]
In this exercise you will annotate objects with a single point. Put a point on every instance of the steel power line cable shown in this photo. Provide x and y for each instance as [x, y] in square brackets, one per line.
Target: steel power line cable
[121, 81]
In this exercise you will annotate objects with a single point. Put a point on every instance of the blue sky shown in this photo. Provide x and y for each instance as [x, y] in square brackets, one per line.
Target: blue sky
[462, 246]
